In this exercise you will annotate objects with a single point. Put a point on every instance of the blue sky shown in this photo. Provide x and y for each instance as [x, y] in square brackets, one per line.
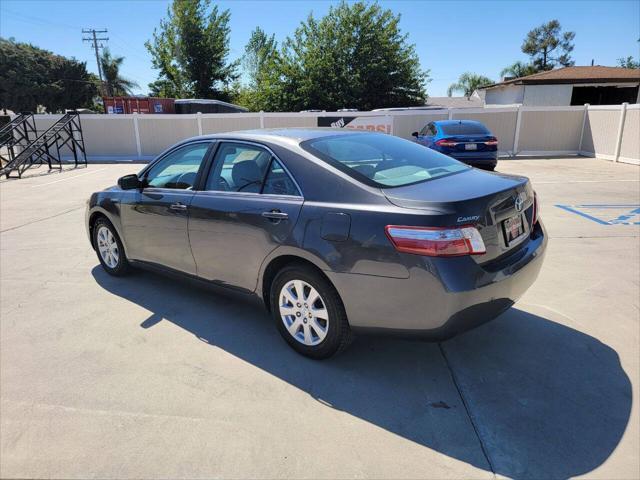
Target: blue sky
[450, 36]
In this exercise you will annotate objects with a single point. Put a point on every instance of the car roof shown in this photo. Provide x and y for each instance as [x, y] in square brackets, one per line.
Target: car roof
[457, 122]
[296, 134]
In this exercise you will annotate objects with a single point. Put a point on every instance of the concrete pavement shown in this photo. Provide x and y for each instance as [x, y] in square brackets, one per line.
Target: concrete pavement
[144, 377]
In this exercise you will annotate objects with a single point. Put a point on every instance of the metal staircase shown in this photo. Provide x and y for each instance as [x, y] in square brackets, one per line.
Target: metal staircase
[15, 136]
[45, 148]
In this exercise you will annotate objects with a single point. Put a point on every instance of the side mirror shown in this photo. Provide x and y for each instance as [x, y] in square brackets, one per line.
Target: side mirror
[414, 134]
[129, 182]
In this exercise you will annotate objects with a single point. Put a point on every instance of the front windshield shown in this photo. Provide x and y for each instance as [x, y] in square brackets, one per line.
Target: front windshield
[383, 160]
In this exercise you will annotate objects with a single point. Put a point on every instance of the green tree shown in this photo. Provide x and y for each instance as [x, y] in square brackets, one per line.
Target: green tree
[628, 62]
[468, 83]
[164, 88]
[31, 76]
[518, 69]
[354, 57]
[548, 46]
[191, 49]
[259, 50]
[115, 84]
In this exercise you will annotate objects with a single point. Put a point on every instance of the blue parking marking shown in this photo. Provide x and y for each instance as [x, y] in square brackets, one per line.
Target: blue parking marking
[606, 214]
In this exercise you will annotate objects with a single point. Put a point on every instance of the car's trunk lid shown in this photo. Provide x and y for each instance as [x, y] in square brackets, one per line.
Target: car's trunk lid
[473, 197]
[469, 143]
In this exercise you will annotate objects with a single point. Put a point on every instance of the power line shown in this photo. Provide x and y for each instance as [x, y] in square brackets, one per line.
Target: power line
[94, 39]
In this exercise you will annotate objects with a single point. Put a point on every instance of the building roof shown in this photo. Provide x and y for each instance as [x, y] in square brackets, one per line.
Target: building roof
[207, 101]
[592, 74]
[455, 102]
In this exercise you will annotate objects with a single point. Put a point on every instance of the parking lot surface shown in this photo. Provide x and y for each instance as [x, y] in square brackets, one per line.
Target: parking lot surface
[144, 377]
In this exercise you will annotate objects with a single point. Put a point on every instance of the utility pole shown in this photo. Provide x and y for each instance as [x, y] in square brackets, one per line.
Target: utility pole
[94, 39]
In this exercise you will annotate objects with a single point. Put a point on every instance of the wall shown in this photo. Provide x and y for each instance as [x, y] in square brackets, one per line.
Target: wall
[630, 141]
[600, 131]
[556, 130]
[595, 131]
[547, 95]
[612, 132]
[507, 95]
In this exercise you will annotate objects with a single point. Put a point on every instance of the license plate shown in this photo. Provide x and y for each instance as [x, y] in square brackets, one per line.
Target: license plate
[513, 228]
[471, 146]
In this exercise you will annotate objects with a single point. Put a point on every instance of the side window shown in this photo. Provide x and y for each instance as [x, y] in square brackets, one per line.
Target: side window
[278, 182]
[238, 168]
[432, 129]
[179, 168]
[425, 130]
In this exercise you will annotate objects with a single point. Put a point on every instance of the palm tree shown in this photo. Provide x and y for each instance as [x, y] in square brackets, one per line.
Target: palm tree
[468, 83]
[115, 85]
[519, 69]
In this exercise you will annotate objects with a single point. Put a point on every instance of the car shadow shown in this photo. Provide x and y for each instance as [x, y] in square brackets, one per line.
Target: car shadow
[546, 400]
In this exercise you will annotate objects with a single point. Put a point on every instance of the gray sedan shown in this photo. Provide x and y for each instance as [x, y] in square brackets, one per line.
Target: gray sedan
[336, 231]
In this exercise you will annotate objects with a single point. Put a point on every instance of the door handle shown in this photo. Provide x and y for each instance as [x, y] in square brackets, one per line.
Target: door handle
[275, 215]
[181, 207]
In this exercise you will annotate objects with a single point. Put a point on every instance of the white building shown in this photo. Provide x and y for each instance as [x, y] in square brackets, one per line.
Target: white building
[595, 85]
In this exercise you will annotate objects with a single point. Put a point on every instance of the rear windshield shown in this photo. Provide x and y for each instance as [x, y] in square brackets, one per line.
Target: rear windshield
[383, 160]
[463, 129]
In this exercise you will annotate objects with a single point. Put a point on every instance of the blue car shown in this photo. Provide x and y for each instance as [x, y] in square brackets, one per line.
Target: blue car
[465, 140]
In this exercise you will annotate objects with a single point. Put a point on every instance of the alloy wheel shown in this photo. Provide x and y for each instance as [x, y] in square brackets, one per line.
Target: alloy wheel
[108, 247]
[303, 312]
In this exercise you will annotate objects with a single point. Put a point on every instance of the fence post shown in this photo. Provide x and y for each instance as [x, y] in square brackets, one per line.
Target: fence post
[137, 133]
[623, 114]
[449, 113]
[199, 117]
[516, 133]
[584, 123]
[261, 119]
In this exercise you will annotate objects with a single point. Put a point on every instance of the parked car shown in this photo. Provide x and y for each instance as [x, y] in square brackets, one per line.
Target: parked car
[465, 140]
[336, 231]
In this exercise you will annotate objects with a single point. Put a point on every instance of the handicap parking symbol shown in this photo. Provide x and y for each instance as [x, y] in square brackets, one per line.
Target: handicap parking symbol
[606, 214]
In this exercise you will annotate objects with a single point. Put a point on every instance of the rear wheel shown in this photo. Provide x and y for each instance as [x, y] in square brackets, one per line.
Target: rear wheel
[109, 248]
[309, 313]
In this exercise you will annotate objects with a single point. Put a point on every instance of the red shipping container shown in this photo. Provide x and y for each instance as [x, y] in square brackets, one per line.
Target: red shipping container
[121, 105]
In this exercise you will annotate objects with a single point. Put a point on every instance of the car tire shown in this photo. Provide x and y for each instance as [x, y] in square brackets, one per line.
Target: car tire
[300, 322]
[109, 249]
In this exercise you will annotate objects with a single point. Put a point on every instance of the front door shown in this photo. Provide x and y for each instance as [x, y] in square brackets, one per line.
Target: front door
[248, 207]
[155, 218]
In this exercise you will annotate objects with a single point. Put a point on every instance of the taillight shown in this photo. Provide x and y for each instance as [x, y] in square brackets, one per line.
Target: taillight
[436, 241]
[535, 209]
[492, 141]
[446, 143]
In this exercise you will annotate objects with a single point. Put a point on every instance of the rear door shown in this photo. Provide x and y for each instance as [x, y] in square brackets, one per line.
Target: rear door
[247, 207]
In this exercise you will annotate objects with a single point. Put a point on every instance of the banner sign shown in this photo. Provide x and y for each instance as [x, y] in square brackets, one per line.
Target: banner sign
[383, 124]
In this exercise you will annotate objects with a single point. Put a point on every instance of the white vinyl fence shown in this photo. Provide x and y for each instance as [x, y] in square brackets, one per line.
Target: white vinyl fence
[609, 132]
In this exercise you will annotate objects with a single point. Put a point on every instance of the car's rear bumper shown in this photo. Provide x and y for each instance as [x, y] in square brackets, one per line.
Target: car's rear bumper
[445, 297]
[479, 159]
[474, 158]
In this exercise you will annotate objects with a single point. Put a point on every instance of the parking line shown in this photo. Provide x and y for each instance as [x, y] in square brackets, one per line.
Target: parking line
[68, 178]
[569, 209]
[586, 181]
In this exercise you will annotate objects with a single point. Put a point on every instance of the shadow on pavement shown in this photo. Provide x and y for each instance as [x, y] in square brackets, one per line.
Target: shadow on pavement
[548, 401]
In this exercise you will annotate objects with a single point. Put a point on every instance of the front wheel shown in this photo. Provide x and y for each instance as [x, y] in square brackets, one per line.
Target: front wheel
[309, 313]
[109, 248]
